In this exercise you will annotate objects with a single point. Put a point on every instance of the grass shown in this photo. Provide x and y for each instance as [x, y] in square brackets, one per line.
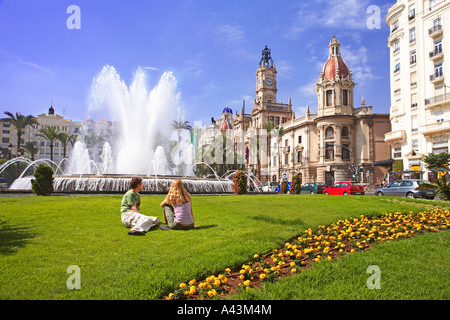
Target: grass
[40, 237]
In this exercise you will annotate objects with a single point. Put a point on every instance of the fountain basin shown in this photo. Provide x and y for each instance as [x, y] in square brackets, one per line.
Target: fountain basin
[121, 183]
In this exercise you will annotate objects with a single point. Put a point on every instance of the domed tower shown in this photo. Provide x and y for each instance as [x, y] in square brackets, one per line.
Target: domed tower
[227, 120]
[335, 85]
[266, 80]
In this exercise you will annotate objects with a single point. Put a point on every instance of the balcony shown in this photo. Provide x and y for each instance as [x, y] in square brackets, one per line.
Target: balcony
[438, 127]
[437, 77]
[395, 136]
[439, 100]
[436, 54]
[436, 31]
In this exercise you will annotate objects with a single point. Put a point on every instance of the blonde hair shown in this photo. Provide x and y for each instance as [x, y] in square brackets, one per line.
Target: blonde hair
[177, 194]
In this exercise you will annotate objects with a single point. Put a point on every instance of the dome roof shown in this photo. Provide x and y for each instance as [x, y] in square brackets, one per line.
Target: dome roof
[329, 69]
[227, 110]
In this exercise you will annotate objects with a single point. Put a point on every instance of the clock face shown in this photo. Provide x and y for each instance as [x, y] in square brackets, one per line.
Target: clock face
[269, 82]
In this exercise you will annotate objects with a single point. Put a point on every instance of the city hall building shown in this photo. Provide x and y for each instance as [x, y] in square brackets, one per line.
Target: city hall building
[340, 142]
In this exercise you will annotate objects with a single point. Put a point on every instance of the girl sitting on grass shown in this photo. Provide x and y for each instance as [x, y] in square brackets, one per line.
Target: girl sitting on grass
[177, 207]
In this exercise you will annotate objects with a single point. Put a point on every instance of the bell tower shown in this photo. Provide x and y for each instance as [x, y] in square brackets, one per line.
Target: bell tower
[266, 80]
[335, 85]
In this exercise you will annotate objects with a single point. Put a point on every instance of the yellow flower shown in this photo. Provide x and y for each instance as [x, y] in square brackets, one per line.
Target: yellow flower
[255, 256]
[247, 283]
[242, 277]
[330, 258]
[182, 285]
[192, 290]
[292, 264]
[171, 296]
[217, 282]
[192, 282]
[353, 250]
[262, 276]
[228, 270]
[293, 270]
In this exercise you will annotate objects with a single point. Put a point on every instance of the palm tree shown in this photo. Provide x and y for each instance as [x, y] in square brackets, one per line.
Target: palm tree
[279, 132]
[20, 122]
[178, 126]
[269, 126]
[32, 148]
[51, 134]
[65, 139]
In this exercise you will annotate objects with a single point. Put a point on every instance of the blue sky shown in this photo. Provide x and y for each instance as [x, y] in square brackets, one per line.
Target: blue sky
[212, 47]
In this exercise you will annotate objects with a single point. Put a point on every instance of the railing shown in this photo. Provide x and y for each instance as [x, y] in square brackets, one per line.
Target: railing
[434, 29]
[436, 75]
[436, 99]
[435, 52]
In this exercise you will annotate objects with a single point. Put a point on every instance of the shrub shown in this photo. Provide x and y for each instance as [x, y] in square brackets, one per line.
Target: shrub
[283, 187]
[43, 182]
[296, 185]
[240, 182]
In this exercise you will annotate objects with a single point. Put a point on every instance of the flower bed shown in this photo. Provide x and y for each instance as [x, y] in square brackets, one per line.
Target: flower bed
[313, 246]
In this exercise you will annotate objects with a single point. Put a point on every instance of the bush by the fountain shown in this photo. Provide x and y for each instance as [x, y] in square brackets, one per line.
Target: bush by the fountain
[42, 183]
[240, 182]
[296, 185]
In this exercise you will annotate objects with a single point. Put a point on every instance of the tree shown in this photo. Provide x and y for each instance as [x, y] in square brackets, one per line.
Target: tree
[51, 134]
[437, 160]
[239, 182]
[279, 132]
[296, 185]
[269, 126]
[65, 139]
[20, 122]
[32, 148]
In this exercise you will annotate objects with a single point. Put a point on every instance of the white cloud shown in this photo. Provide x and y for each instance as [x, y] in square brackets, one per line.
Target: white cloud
[151, 68]
[358, 62]
[342, 14]
[25, 62]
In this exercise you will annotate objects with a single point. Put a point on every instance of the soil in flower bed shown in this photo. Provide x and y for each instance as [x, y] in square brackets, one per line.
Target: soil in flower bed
[301, 252]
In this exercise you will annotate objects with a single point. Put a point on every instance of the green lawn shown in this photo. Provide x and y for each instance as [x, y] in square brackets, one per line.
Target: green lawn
[40, 237]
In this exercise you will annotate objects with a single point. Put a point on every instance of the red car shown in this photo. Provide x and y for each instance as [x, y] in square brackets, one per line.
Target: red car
[344, 188]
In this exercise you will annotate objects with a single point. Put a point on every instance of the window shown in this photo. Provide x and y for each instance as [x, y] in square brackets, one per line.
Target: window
[5, 131]
[437, 47]
[286, 143]
[407, 184]
[438, 70]
[437, 22]
[299, 139]
[345, 152]
[412, 13]
[394, 26]
[396, 45]
[329, 153]
[412, 34]
[414, 123]
[413, 100]
[439, 116]
[6, 125]
[413, 78]
[439, 147]
[277, 120]
[415, 145]
[286, 159]
[397, 152]
[329, 97]
[345, 97]
[344, 132]
[413, 58]
[299, 157]
[329, 133]
[397, 67]
[5, 140]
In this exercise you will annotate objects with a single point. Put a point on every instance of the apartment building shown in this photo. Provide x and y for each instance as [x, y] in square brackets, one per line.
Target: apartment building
[420, 83]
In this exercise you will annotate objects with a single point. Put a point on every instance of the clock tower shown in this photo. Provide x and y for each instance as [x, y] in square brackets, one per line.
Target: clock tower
[266, 80]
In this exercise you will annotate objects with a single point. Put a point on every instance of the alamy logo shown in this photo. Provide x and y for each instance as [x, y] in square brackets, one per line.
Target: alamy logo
[374, 281]
[74, 20]
[74, 281]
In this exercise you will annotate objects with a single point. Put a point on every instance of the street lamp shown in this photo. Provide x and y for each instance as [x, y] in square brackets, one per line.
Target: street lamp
[9, 150]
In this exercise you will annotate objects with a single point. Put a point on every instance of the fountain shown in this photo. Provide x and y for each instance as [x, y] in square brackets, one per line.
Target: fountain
[141, 144]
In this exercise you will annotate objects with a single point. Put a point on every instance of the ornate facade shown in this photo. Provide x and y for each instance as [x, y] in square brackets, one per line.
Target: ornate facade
[339, 142]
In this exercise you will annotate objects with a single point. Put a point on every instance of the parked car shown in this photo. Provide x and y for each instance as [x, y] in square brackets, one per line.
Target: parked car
[406, 188]
[344, 188]
[314, 187]
[288, 185]
[270, 186]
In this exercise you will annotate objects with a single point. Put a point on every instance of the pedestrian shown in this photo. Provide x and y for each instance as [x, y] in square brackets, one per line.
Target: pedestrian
[130, 211]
